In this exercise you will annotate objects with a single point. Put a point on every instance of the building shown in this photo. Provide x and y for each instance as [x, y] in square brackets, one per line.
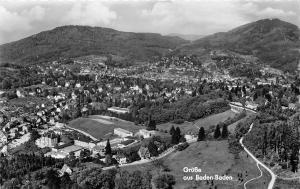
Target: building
[122, 132]
[98, 150]
[292, 106]
[65, 152]
[121, 159]
[118, 110]
[188, 137]
[113, 141]
[46, 142]
[85, 144]
[65, 169]
[145, 133]
[3, 138]
[125, 143]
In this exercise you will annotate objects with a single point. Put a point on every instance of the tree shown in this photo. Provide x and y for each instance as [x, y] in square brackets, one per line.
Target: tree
[135, 180]
[172, 130]
[34, 135]
[6, 83]
[52, 178]
[224, 131]
[84, 154]
[230, 97]
[121, 180]
[151, 124]
[201, 134]
[294, 160]
[152, 149]
[146, 181]
[108, 148]
[217, 132]
[66, 182]
[176, 136]
[164, 181]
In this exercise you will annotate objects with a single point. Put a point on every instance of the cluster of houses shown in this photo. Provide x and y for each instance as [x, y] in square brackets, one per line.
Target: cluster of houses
[60, 149]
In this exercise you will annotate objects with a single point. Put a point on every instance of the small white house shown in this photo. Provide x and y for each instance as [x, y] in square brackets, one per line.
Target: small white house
[145, 133]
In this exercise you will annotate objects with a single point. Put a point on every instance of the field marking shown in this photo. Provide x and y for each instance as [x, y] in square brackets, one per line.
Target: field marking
[82, 132]
[102, 121]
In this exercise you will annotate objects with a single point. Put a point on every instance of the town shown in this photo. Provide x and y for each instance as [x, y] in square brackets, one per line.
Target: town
[149, 94]
[82, 110]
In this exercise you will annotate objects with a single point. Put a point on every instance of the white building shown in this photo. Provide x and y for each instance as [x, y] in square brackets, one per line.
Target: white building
[112, 142]
[84, 144]
[118, 110]
[145, 133]
[65, 152]
[122, 132]
[46, 142]
[3, 138]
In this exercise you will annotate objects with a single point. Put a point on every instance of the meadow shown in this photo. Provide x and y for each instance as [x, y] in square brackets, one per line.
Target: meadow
[193, 127]
[212, 158]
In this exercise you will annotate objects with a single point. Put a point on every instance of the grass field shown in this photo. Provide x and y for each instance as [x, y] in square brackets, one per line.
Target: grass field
[214, 119]
[192, 127]
[287, 184]
[100, 126]
[213, 158]
[261, 182]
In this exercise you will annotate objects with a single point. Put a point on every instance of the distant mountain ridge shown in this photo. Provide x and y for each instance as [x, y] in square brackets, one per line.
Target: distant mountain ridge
[273, 41]
[74, 41]
[189, 37]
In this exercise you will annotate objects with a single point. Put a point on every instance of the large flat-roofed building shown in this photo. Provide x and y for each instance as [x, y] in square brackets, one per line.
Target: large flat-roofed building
[65, 152]
[122, 132]
[118, 110]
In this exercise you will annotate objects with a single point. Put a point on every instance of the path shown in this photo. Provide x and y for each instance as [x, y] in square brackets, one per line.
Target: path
[261, 174]
[272, 182]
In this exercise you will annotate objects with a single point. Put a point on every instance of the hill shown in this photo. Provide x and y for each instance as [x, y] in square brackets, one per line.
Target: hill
[189, 37]
[74, 41]
[273, 41]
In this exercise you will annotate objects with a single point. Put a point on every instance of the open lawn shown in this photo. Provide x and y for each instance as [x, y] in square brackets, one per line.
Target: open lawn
[190, 127]
[287, 184]
[262, 182]
[214, 119]
[212, 158]
[101, 126]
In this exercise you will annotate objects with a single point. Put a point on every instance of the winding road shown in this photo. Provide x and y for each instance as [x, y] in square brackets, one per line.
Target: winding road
[272, 182]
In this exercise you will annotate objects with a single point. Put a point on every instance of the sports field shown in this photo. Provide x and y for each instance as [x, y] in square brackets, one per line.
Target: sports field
[101, 126]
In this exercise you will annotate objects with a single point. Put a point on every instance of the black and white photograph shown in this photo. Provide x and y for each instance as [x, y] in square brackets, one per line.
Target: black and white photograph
[149, 94]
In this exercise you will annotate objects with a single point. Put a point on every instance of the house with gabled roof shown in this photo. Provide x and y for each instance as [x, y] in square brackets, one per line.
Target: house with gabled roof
[65, 169]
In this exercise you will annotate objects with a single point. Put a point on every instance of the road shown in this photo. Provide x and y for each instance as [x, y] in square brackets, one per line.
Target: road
[144, 161]
[272, 182]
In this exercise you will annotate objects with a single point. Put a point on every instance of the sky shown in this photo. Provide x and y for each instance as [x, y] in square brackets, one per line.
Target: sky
[22, 18]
